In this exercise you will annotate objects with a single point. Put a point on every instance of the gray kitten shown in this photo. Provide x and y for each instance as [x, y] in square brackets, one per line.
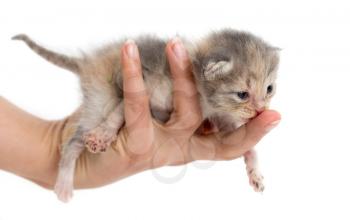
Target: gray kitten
[235, 74]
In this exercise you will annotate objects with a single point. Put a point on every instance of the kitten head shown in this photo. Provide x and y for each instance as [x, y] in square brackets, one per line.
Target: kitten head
[236, 73]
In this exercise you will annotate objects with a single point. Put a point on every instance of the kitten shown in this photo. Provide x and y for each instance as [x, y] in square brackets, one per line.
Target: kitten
[235, 74]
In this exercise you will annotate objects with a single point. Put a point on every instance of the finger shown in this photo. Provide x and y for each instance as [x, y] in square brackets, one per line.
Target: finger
[136, 105]
[185, 94]
[216, 147]
[135, 96]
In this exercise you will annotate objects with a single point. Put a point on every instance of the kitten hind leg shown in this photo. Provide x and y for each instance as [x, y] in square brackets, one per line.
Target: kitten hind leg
[90, 118]
[65, 179]
[99, 138]
[255, 177]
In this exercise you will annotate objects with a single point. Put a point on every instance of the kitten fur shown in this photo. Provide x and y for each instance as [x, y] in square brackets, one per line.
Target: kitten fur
[235, 74]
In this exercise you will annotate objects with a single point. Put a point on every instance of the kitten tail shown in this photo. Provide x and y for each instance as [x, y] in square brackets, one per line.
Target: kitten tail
[66, 62]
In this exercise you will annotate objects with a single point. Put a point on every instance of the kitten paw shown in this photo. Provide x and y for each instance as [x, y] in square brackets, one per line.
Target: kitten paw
[98, 139]
[64, 191]
[256, 181]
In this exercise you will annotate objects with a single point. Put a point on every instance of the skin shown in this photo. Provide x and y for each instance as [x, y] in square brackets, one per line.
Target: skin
[28, 140]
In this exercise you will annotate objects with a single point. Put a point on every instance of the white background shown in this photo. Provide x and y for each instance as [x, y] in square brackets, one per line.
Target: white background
[305, 160]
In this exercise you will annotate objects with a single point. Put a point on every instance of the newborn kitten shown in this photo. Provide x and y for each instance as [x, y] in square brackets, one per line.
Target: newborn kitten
[235, 73]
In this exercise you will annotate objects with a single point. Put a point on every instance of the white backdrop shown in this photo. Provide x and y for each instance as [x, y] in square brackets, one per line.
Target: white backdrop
[305, 160]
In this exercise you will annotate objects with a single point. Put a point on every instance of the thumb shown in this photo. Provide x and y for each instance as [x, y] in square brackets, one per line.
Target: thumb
[260, 126]
[248, 135]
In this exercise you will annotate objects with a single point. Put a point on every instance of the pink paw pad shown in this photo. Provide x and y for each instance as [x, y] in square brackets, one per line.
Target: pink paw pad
[97, 141]
[256, 181]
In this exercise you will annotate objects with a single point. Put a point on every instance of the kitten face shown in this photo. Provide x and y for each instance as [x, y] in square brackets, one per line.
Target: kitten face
[242, 96]
[237, 73]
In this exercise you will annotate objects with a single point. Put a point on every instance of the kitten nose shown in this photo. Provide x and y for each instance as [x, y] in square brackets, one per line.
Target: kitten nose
[259, 110]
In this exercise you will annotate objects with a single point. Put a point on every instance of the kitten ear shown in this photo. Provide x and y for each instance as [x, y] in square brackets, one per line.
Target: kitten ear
[217, 69]
[274, 59]
[212, 64]
[218, 63]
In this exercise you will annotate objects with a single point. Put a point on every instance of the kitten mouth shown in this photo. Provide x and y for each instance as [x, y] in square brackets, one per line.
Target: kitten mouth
[248, 119]
[253, 117]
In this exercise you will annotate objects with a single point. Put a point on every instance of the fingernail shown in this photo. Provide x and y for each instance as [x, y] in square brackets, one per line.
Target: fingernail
[178, 49]
[131, 49]
[272, 125]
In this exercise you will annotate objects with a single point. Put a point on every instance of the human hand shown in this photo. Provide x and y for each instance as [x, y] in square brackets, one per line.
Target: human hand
[141, 144]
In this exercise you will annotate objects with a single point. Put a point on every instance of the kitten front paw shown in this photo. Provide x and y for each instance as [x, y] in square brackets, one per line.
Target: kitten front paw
[98, 139]
[256, 180]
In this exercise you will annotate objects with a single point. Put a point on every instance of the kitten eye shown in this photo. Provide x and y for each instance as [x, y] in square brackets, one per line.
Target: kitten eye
[269, 89]
[243, 95]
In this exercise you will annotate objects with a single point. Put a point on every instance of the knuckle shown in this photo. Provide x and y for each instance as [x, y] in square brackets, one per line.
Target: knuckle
[131, 72]
[136, 96]
[194, 121]
[190, 120]
[136, 104]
